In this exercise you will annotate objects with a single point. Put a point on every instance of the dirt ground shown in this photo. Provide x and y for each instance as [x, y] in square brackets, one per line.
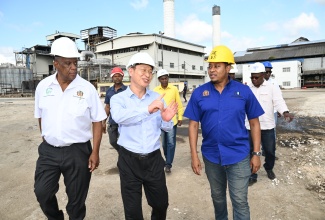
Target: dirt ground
[298, 192]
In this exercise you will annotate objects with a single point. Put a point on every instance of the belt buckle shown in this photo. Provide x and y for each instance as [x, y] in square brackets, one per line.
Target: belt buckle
[143, 156]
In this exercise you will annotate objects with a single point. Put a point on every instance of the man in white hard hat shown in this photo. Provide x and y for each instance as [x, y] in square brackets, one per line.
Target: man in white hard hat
[270, 98]
[168, 139]
[233, 71]
[117, 75]
[141, 114]
[69, 112]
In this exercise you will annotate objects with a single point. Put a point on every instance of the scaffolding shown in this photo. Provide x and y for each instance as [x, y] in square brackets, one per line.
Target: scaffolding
[95, 35]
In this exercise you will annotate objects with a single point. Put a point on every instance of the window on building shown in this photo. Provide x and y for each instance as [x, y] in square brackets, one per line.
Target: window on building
[193, 67]
[183, 66]
[287, 83]
[201, 67]
[286, 69]
[160, 63]
[171, 65]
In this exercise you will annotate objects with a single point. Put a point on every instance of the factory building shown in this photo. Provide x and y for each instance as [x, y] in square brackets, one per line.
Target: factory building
[183, 60]
[298, 64]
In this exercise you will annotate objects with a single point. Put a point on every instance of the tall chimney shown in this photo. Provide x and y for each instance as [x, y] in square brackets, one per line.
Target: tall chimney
[169, 18]
[216, 34]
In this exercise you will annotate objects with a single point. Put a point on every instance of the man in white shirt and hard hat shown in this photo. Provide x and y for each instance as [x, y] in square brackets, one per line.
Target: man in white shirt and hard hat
[270, 98]
[69, 112]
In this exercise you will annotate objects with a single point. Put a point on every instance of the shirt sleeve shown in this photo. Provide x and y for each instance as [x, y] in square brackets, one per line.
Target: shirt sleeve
[37, 110]
[121, 114]
[278, 101]
[180, 110]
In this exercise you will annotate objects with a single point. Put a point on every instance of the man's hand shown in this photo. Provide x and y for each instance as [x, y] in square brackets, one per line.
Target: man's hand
[156, 105]
[255, 163]
[196, 165]
[168, 113]
[288, 117]
[179, 123]
[93, 161]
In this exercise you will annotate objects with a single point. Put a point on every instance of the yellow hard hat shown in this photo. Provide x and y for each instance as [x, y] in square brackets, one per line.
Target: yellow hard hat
[221, 54]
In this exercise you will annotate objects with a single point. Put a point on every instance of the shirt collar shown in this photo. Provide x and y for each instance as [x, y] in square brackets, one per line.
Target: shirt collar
[54, 80]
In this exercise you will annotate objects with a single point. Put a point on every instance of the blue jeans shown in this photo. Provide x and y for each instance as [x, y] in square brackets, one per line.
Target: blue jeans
[168, 140]
[268, 144]
[237, 175]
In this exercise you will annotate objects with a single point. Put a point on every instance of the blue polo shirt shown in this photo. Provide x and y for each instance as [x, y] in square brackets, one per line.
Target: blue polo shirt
[222, 117]
[109, 93]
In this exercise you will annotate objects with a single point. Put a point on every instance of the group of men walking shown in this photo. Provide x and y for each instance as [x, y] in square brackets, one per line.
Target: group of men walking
[236, 120]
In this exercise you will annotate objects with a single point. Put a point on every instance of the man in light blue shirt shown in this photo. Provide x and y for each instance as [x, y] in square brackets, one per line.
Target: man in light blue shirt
[141, 113]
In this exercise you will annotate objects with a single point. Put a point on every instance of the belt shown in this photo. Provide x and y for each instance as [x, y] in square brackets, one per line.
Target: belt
[139, 156]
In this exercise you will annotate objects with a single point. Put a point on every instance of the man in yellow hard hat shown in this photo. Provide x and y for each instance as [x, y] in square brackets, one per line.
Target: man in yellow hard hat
[221, 106]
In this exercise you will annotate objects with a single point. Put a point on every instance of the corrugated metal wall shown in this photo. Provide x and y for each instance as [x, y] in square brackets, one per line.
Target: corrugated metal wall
[14, 77]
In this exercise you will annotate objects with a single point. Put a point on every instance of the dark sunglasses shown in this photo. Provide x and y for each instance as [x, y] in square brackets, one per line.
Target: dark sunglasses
[255, 77]
[268, 71]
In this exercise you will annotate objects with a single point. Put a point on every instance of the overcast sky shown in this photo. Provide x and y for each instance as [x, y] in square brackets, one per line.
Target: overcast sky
[244, 23]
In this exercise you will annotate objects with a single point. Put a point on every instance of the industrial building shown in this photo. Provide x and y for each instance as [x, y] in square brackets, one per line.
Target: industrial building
[183, 60]
[298, 64]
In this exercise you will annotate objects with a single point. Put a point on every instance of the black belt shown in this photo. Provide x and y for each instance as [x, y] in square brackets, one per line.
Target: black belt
[139, 156]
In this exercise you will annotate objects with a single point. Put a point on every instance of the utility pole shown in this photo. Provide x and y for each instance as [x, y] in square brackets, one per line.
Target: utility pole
[184, 72]
[162, 52]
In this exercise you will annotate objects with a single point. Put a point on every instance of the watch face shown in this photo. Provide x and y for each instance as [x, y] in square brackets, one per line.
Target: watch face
[257, 153]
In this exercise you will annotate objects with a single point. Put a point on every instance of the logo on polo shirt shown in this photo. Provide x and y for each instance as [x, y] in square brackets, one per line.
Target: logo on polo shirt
[80, 94]
[206, 93]
[48, 92]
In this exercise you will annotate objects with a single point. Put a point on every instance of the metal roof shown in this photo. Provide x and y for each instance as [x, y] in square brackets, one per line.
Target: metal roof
[281, 52]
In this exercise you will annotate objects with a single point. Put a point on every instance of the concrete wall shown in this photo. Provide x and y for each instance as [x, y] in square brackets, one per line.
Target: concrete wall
[286, 80]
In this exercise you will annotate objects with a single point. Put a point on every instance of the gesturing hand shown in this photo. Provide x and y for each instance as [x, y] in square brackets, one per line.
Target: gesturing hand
[156, 105]
[168, 113]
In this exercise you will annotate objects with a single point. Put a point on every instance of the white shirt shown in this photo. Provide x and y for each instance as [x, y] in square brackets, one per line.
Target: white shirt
[274, 82]
[66, 117]
[270, 98]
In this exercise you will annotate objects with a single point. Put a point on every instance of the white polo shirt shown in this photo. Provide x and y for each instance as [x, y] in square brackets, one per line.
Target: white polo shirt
[67, 116]
[270, 97]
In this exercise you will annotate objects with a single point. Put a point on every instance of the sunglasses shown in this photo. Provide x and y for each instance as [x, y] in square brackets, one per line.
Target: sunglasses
[268, 72]
[255, 77]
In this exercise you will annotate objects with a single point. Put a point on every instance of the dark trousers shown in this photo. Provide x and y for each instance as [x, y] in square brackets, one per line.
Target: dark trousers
[72, 163]
[113, 135]
[184, 96]
[147, 171]
[268, 144]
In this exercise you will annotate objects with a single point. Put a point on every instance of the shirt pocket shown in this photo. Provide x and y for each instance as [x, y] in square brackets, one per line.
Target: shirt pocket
[78, 107]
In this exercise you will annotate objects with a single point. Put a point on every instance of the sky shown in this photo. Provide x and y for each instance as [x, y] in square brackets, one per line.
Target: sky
[244, 23]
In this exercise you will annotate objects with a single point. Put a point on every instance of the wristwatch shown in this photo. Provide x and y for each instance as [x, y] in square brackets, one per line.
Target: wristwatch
[257, 153]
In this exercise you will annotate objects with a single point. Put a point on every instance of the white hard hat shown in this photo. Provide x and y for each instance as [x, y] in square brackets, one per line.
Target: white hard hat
[233, 68]
[257, 68]
[141, 58]
[65, 47]
[162, 72]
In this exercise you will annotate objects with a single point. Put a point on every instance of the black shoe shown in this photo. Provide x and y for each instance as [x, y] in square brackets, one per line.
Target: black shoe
[270, 174]
[168, 169]
[251, 181]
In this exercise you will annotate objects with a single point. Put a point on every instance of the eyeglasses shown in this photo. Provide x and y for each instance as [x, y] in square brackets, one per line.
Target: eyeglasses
[268, 72]
[145, 71]
[255, 77]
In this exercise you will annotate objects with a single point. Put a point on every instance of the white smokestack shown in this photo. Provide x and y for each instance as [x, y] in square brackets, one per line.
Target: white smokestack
[169, 18]
[216, 34]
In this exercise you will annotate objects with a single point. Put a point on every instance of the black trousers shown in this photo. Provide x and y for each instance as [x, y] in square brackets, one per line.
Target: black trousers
[147, 171]
[113, 135]
[72, 163]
